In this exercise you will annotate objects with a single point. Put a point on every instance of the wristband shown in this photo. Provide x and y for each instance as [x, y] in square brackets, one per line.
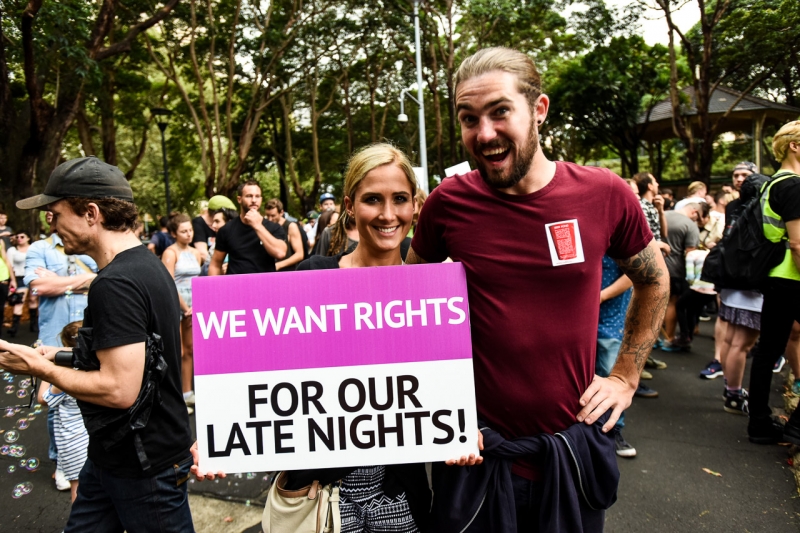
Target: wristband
[64, 358]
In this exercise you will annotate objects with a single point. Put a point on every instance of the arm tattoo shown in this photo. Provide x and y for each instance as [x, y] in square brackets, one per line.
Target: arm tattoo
[648, 304]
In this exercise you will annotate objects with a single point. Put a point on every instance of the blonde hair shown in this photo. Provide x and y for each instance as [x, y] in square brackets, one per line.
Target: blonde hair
[503, 59]
[788, 133]
[362, 163]
[696, 186]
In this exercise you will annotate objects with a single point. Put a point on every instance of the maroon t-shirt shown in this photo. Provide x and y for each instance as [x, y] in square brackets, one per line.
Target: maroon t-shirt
[534, 325]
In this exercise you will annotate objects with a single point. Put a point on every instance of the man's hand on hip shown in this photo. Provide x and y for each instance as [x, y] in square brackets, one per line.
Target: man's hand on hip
[604, 394]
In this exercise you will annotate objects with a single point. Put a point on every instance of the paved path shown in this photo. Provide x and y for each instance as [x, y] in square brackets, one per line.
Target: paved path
[663, 489]
[685, 430]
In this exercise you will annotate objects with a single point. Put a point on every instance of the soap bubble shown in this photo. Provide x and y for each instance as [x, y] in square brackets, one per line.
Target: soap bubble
[21, 490]
[9, 412]
[12, 469]
[251, 475]
[31, 418]
[17, 451]
[21, 393]
[37, 409]
[32, 464]
[22, 463]
[23, 423]
[4, 449]
[25, 383]
[12, 435]
[10, 389]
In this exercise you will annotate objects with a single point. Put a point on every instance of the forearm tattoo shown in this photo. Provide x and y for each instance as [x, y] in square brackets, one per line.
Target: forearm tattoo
[648, 304]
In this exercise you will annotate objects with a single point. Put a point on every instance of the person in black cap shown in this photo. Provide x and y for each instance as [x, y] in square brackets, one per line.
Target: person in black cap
[133, 479]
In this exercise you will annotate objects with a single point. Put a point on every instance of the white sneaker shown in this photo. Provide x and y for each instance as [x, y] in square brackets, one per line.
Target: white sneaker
[190, 400]
[62, 483]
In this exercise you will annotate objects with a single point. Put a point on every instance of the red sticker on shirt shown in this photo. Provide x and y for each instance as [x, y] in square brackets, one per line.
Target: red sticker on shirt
[564, 239]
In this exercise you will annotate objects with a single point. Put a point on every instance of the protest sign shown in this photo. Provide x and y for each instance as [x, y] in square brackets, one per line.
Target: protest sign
[333, 368]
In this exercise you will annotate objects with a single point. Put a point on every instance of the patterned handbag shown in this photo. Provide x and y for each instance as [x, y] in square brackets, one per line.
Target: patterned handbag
[311, 509]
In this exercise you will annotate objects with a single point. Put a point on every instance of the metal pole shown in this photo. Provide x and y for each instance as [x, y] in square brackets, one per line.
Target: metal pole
[163, 126]
[423, 151]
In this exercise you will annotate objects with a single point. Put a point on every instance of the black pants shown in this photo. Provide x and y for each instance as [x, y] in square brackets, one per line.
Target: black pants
[689, 307]
[781, 308]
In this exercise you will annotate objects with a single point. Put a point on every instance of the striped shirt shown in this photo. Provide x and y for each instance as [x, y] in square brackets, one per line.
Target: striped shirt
[72, 440]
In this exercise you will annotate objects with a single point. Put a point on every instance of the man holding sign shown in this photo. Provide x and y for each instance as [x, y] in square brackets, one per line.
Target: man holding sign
[534, 302]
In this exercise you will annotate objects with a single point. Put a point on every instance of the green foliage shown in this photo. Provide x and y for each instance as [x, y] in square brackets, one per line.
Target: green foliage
[337, 68]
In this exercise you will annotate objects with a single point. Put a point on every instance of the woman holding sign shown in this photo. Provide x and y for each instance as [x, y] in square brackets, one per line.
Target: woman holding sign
[379, 189]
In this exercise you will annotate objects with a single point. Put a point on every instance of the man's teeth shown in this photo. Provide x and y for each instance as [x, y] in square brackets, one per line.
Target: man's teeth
[494, 151]
[387, 230]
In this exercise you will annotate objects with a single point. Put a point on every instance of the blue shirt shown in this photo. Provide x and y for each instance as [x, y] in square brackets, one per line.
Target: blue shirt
[613, 311]
[55, 312]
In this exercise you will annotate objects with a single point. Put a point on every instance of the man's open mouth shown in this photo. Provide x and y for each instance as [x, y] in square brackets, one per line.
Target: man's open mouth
[496, 154]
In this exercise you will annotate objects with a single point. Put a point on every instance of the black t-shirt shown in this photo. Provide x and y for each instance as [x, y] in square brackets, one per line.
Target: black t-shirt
[784, 198]
[246, 254]
[202, 233]
[132, 297]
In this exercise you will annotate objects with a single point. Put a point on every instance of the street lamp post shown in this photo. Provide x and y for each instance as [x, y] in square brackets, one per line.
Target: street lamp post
[423, 149]
[162, 119]
[420, 100]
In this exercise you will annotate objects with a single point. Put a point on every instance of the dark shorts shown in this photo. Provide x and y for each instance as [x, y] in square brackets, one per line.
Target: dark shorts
[677, 286]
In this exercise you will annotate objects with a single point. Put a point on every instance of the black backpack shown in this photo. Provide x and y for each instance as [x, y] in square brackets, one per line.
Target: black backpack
[744, 258]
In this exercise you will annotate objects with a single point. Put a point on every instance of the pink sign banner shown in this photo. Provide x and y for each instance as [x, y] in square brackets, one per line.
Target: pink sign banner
[330, 318]
[333, 368]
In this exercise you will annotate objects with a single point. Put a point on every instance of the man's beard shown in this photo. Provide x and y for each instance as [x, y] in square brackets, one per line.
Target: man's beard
[77, 245]
[522, 164]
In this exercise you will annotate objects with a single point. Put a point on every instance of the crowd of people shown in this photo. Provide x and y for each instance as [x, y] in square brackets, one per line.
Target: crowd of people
[608, 270]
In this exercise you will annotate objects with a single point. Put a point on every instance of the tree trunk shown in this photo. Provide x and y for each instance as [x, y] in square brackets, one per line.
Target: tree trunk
[108, 128]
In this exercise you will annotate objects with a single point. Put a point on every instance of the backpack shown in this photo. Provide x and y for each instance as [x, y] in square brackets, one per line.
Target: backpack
[744, 258]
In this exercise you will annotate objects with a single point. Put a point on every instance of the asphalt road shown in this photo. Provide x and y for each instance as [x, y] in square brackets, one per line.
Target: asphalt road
[663, 489]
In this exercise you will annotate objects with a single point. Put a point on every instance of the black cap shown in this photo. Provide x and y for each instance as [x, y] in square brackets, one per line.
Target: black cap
[85, 177]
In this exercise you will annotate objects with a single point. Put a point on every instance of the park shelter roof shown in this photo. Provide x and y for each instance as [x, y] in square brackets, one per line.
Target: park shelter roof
[744, 117]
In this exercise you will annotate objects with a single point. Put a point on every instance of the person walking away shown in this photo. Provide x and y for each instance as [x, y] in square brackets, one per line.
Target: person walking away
[131, 480]
[780, 206]
[741, 172]
[183, 263]
[251, 242]
[682, 238]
